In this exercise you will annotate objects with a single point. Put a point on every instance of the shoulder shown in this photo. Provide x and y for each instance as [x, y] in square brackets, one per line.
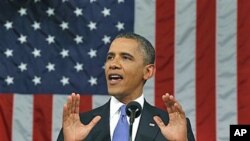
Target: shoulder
[86, 117]
[155, 111]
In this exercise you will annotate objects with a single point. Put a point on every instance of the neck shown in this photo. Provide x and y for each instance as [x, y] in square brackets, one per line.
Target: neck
[127, 99]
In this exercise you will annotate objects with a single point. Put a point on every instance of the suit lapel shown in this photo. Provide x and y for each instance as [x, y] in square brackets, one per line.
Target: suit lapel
[147, 129]
[98, 133]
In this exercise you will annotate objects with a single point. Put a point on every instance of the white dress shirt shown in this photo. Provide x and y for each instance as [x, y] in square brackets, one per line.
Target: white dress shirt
[115, 114]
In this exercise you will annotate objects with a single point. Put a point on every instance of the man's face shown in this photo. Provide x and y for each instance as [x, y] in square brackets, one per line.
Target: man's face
[125, 69]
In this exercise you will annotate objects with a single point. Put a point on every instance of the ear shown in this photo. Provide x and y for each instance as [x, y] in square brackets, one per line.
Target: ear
[148, 71]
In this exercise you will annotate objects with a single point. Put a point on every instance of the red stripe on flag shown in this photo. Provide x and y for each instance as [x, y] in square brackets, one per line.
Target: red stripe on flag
[85, 103]
[205, 70]
[164, 77]
[6, 110]
[243, 62]
[42, 116]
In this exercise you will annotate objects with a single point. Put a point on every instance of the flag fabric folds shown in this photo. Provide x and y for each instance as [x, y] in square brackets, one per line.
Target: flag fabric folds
[59, 46]
[49, 49]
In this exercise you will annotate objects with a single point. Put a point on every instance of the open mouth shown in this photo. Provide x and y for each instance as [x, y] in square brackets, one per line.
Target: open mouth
[115, 78]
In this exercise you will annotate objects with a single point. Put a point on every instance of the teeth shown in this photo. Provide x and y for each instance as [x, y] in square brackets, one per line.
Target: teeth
[115, 76]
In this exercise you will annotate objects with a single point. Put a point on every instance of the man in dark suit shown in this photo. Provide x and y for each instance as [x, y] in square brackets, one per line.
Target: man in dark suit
[129, 64]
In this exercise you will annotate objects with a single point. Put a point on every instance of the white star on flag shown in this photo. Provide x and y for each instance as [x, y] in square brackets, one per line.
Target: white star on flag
[120, 1]
[22, 11]
[9, 80]
[64, 25]
[22, 66]
[120, 26]
[78, 11]
[92, 25]
[36, 25]
[92, 53]
[106, 12]
[78, 39]
[64, 53]
[36, 80]
[78, 66]
[50, 39]
[92, 1]
[8, 53]
[8, 25]
[106, 39]
[92, 81]
[50, 67]
[36, 52]
[22, 39]
[50, 12]
[64, 80]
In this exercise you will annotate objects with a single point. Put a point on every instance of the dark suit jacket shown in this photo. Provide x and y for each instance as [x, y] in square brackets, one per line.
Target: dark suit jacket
[145, 132]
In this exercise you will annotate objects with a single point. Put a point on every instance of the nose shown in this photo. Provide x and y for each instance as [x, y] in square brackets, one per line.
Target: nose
[115, 64]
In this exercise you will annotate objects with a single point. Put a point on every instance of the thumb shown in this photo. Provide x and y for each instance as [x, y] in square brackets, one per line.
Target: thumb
[93, 122]
[159, 122]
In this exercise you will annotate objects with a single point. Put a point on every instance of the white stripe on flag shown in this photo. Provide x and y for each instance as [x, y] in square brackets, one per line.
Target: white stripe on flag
[58, 101]
[145, 15]
[184, 73]
[99, 100]
[226, 99]
[22, 120]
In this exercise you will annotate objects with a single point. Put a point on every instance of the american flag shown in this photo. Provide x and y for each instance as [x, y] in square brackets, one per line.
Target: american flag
[49, 49]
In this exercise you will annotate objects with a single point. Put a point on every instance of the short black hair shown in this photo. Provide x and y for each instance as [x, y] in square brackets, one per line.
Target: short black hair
[145, 45]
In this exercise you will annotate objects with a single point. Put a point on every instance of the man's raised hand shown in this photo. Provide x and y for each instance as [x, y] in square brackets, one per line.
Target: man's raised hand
[73, 129]
[176, 129]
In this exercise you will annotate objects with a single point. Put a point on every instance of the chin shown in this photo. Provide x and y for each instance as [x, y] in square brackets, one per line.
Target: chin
[113, 92]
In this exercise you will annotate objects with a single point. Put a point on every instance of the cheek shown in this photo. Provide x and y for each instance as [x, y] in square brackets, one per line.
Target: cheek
[136, 74]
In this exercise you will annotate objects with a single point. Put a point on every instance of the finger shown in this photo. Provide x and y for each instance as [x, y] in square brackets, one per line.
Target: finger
[77, 103]
[94, 121]
[172, 104]
[168, 99]
[73, 103]
[169, 102]
[170, 109]
[159, 122]
[179, 109]
[69, 104]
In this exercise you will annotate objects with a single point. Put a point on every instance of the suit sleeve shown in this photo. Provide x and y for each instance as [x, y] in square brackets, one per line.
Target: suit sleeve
[60, 136]
[189, 131]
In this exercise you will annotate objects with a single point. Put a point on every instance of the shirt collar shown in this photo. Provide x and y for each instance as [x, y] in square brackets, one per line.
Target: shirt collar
[116, 104]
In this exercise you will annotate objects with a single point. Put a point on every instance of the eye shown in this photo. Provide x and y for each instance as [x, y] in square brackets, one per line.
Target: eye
[109, 57]
[126, 57]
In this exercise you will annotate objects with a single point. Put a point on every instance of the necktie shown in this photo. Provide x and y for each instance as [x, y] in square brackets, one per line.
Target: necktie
[121, 132]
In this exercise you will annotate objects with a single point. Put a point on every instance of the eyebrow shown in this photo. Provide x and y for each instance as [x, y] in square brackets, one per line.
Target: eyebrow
[110, 53]
[123, 53]
[127, 54]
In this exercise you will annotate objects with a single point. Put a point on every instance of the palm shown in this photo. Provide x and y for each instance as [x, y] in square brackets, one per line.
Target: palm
[73, 129]
[176, 128]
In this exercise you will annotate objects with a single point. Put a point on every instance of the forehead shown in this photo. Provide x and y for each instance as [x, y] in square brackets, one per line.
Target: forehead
[124, 45]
